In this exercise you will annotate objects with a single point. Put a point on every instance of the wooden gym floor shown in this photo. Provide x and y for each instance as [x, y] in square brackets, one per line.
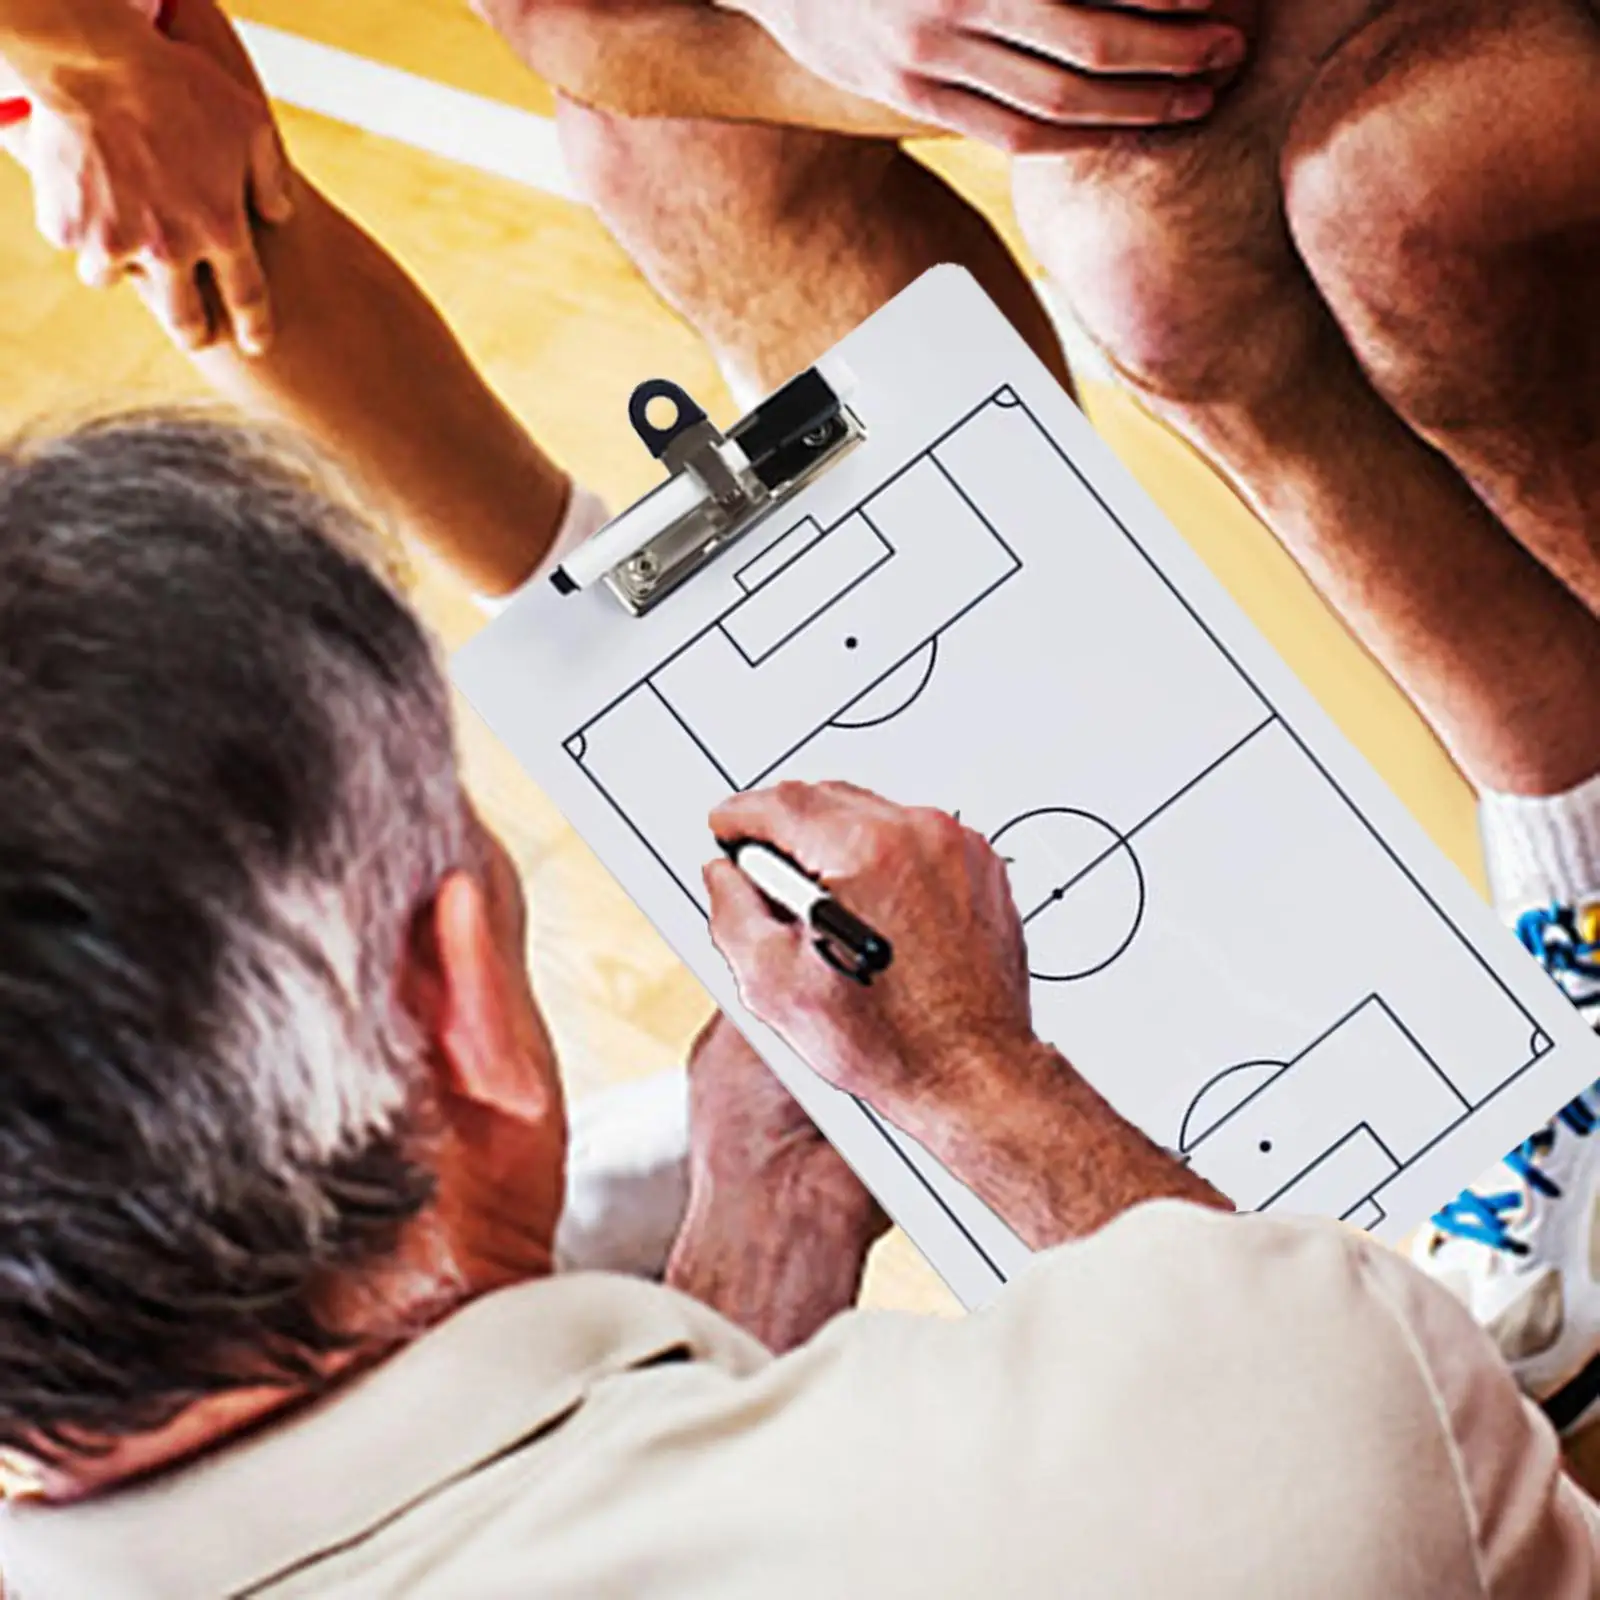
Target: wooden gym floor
[564, 327]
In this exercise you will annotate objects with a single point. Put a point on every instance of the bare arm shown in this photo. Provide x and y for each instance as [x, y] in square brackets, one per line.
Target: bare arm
[366, 365]
[1047, 1153]
[778, 1228]
[943, 1043]
[351, 331]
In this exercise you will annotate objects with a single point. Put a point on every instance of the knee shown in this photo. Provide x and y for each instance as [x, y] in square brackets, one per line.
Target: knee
[1370, 207]
[1427, 147]
[1186, 287]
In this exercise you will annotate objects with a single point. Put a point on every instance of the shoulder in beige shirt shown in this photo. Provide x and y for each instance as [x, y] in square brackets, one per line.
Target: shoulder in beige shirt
[1186, 1405]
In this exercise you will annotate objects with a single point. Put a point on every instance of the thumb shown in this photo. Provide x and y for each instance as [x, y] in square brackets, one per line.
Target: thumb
[271, 179]
[758, 947]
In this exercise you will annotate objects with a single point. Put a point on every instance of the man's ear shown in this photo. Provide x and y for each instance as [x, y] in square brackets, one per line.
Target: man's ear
[473, 1000]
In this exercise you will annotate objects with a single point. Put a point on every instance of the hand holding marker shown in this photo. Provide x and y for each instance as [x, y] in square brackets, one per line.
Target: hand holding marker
[843, 940]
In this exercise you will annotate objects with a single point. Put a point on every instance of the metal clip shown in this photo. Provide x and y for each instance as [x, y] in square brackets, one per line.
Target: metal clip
[765, 458]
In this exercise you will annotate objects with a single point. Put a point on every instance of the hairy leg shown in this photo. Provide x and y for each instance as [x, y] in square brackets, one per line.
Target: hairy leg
[1177, 255]
[1444, 187]
[776, 242]
[365, 365]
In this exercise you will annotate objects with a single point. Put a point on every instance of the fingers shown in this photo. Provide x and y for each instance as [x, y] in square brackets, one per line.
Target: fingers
[1025, 75]
[820, 825]
[271, 178]
[1074, 103]
[1102, 106]
[1117, 43]
[1171, 8]
[741, 924]
[760, 949]
[242, 286]
[793, 816]
[173, 295]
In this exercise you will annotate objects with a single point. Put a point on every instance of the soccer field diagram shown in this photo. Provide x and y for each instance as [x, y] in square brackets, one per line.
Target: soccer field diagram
[1217, 935]
[1324, 1132]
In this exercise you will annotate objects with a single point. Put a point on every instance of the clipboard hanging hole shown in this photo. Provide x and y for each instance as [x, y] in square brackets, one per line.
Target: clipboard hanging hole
[851, 642]
[661, 412]
[652, 398]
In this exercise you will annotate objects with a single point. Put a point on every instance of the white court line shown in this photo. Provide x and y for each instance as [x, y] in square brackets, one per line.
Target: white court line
[463, 127]
[479, 133]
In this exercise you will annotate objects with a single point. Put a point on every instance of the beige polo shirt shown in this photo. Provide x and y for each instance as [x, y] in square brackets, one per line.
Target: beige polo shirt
[1187, 1405]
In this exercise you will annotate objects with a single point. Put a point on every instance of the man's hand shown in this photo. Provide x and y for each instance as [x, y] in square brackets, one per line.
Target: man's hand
[958, 994]
[1021, 74]
[154, 162]
[942, 1044]
[778, 1226]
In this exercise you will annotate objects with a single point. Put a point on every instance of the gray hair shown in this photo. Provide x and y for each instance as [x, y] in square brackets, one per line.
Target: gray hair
[228, 786]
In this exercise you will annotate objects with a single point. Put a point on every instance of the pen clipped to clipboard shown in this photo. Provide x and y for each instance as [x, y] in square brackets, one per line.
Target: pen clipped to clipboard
[720, 487]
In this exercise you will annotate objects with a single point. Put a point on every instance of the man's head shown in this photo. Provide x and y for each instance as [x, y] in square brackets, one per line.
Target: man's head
[272, 1082]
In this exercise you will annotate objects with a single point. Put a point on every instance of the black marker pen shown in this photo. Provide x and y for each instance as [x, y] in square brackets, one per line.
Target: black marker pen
[843, 940]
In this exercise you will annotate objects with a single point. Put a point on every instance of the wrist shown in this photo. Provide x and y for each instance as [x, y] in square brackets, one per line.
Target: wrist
[810, 1190]
[1049, 1155]
[777, 1271]
[999, 1083]
[1008, 1125]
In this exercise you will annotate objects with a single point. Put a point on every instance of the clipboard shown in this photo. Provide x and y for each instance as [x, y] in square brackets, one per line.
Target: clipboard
[918, 568]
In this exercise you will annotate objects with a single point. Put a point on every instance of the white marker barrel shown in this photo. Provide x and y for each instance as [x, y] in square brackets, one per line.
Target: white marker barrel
[625, 536]
[781, 882]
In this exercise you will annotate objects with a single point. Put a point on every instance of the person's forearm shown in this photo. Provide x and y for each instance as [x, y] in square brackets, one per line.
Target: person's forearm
[1053, 1160]
[365, 365]
[779, 1271]
[47, 42]
[680, 58]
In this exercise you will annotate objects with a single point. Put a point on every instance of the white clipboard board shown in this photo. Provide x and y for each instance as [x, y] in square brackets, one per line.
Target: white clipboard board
[960, 598]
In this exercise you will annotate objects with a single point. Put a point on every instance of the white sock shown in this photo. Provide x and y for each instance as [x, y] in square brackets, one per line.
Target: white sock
[1542, 850]
[627, 1178]
[586, 515]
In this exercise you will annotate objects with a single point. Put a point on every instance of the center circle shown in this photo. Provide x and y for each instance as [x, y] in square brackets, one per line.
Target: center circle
[1079, 887]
